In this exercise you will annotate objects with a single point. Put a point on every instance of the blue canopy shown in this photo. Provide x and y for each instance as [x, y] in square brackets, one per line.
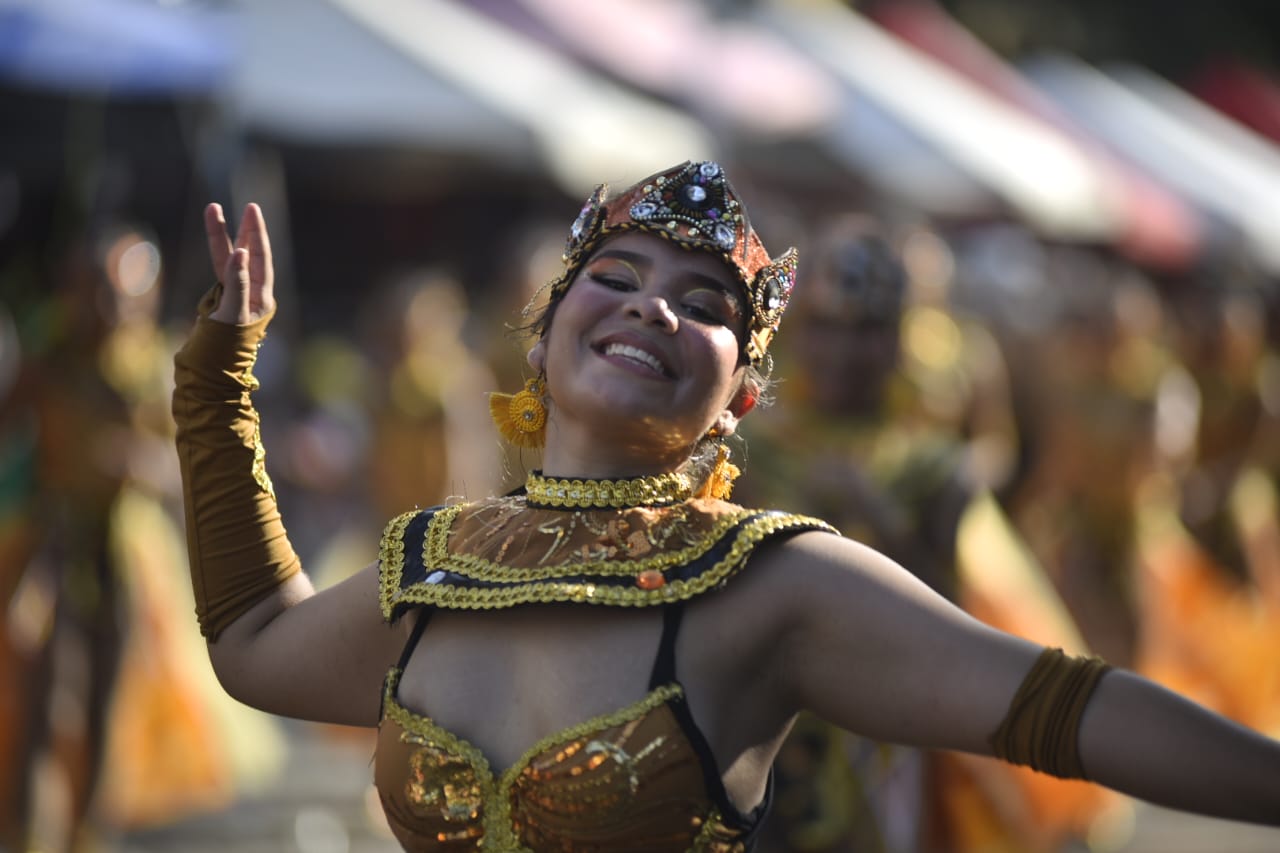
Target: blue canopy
[119, 47]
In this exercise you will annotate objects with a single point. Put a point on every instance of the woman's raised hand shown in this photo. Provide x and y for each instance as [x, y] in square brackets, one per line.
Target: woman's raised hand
[244, 269]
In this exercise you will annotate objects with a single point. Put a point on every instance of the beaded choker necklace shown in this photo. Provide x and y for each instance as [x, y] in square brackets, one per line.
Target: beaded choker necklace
[598, 494]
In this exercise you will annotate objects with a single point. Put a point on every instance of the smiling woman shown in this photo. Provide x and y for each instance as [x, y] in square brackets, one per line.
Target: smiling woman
[609, 658]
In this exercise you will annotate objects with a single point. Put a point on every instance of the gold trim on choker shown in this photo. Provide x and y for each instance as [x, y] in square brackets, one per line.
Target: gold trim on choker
[617, 494]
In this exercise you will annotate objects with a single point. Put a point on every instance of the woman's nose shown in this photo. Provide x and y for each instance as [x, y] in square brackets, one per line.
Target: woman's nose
[653, 308]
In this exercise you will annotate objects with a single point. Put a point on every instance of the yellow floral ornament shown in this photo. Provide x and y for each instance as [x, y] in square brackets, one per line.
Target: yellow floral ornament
[521, 417]
[719, 484]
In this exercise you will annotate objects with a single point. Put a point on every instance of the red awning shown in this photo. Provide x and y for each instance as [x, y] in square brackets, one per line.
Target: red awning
[1158, 227]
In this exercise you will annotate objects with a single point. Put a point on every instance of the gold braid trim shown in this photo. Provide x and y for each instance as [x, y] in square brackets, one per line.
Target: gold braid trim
[391, 559]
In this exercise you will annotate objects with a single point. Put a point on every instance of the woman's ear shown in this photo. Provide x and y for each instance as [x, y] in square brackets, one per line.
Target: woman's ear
[727, 423]
[537, 356]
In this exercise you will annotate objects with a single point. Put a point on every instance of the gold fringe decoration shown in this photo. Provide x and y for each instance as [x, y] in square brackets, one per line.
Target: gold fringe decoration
[521, 417]
[719, 484]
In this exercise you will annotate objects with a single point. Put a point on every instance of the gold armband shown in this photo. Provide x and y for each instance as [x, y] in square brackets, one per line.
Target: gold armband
[1042, 726]
[236, 540]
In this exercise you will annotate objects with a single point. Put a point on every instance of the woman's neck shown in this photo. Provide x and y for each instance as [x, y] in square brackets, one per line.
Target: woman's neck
[570, 453]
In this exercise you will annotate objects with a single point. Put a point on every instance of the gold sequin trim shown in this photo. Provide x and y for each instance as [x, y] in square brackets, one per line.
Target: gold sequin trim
[499, 833]
[617, 494]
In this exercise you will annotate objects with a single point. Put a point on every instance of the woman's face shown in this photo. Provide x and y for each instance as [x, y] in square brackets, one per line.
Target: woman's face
[644, 346]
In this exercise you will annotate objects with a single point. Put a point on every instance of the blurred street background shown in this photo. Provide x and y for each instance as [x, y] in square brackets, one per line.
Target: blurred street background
[1034, 352]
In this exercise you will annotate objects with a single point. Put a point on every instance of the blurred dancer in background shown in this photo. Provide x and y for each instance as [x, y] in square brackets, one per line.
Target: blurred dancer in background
[898, 457]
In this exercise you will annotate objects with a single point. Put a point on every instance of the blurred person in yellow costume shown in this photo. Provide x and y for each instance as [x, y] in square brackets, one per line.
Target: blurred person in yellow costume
[398, 420]
[434, 438]
[111, 723]
[1209, 580]
[1088, 380]
[895, 427]
[175, 745]
[533, 257]
[64, 614]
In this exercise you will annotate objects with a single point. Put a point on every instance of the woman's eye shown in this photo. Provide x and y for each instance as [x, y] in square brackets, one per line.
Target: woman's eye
[705, 314]
[612, 281]
[700, 313]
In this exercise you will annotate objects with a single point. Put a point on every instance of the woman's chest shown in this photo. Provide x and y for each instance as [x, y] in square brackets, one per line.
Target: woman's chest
[505, 680]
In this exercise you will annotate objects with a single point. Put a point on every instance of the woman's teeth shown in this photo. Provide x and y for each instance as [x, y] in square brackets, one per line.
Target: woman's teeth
[636, 355]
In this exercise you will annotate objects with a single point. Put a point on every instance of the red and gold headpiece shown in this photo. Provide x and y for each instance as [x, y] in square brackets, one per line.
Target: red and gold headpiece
[694, 206]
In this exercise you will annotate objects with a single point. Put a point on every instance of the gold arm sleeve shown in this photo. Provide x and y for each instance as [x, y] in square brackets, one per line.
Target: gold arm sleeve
[236, 539]
[1042, 726]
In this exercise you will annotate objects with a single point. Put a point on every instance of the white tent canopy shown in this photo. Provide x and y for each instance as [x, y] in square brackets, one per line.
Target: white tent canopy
[1038, 172]
[435, 74]
[1180, 143]
[308, 72]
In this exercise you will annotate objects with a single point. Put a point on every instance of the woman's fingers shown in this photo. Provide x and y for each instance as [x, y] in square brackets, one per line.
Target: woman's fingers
[234, 307]
[244, 268]
[215, 230]
[253, 237]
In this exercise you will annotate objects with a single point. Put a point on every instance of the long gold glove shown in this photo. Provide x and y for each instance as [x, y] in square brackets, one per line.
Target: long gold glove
[235, 537]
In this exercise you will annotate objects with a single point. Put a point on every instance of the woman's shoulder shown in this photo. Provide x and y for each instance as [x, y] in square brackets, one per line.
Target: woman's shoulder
[815, 560]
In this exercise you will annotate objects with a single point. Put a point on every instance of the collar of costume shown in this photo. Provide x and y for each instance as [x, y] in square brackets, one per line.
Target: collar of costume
[600, 494]
[502, 552]
[693, 205]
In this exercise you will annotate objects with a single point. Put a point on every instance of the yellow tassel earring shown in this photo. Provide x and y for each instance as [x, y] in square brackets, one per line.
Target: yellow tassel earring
[719, 483]
[521, 417]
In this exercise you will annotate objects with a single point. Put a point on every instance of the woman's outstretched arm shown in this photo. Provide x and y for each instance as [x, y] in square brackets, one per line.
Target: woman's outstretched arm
[274, 643]
[871, 648]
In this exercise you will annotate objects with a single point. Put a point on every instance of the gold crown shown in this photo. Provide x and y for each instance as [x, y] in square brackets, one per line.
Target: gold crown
[693, 205]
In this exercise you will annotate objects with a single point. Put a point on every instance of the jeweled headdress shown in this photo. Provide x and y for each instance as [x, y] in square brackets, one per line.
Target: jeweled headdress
[694, 206]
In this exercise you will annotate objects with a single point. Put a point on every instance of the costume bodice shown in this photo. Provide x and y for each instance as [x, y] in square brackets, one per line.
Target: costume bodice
[642, 778]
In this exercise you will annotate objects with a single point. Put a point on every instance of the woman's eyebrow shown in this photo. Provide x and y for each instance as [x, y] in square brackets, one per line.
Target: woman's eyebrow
[634, 258]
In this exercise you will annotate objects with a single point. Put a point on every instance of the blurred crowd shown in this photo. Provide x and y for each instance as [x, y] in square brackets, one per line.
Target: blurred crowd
[1073, 445]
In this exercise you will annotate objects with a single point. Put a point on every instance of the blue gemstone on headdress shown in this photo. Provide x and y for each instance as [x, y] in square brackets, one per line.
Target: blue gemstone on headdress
[695, 194]
[724, 236]
[709, 169]
[643, 210]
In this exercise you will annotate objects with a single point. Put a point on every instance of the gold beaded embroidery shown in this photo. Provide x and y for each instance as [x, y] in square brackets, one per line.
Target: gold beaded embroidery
[586, 494]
